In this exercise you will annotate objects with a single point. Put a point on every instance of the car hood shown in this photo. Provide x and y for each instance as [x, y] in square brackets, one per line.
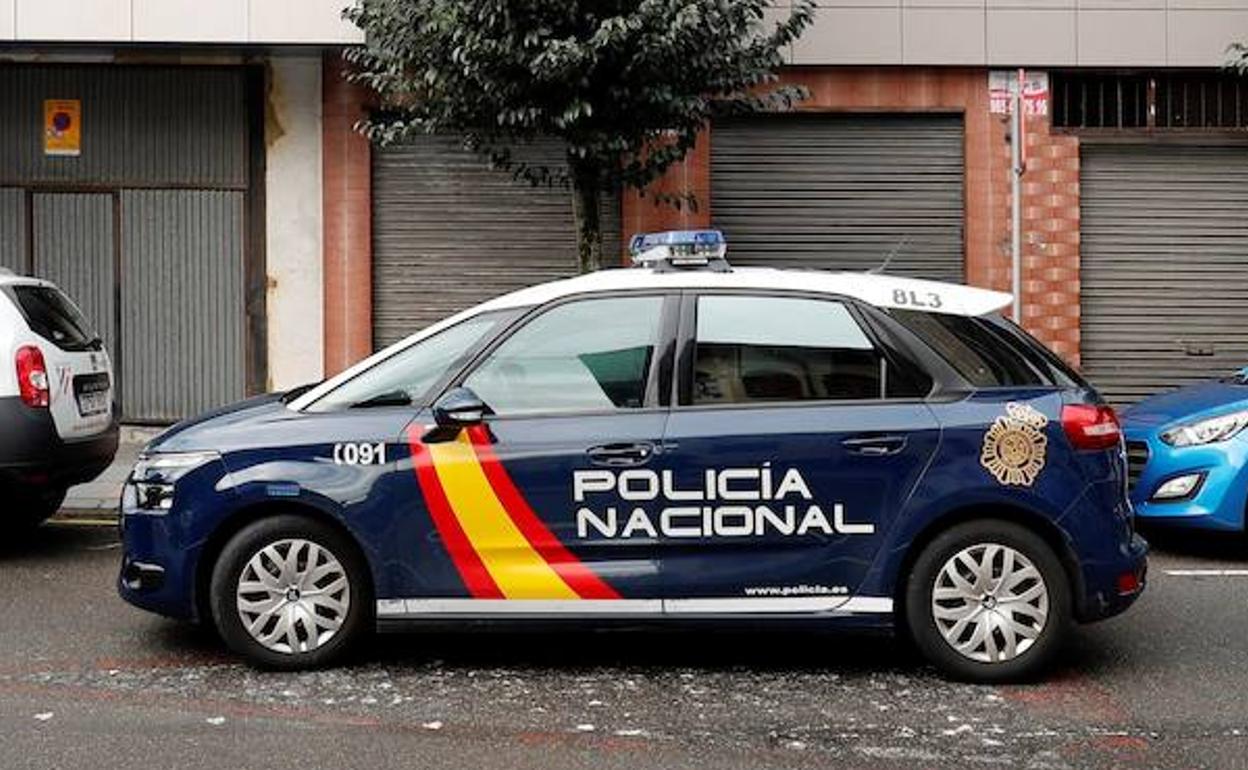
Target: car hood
[223, 428]
[1197, 401]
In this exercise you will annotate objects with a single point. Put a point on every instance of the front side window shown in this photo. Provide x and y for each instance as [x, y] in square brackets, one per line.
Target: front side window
[760, 349]
[406, 377]
[588, 355]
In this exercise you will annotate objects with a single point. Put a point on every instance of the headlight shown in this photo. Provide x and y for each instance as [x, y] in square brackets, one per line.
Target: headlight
[1209, 431]
[155, 476]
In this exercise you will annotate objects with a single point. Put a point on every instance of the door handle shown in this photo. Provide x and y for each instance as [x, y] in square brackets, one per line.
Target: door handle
[874, 446]
[621, 455]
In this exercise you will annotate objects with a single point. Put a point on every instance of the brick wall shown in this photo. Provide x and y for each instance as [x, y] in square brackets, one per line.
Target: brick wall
[348, 217]
[1051, 191]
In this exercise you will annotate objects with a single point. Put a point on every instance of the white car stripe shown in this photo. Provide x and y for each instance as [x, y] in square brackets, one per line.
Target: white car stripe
[393, 608]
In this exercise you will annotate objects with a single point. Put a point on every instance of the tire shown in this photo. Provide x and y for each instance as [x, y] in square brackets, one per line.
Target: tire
[32, 507]
[301, 619]
[996, 646]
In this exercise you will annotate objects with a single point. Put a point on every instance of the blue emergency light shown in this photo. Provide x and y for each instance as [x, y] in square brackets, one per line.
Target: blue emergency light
[680, 248]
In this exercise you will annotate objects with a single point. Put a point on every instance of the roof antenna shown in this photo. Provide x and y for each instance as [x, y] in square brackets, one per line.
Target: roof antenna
[888, 260]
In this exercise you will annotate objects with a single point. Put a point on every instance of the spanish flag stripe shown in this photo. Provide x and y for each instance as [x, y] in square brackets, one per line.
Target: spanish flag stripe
[578, 577]
[471, 569]
[517, 568]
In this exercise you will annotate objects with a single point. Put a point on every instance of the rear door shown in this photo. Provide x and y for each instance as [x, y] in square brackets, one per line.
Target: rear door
[797, 439]
[529, 504]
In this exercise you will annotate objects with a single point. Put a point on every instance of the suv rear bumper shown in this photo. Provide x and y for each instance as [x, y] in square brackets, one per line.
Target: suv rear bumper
[32, 453]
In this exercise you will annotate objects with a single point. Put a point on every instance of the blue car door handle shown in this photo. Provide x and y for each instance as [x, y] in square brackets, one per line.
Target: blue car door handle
[874, 446]
[622, 455]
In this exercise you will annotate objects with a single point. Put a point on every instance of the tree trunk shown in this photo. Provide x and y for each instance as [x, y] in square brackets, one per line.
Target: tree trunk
[587, 210]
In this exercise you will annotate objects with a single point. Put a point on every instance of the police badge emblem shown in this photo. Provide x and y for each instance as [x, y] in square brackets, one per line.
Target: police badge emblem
[1014, 447]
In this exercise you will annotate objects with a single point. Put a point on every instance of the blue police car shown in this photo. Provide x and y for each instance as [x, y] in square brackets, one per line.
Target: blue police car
[677, 441]
[1188, 456]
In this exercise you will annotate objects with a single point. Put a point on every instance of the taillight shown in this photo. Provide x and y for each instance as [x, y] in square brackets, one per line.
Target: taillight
[1091, 427]
[32, 377]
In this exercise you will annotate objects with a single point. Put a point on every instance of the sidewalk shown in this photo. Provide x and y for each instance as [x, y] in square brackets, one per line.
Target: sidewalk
[101, 496]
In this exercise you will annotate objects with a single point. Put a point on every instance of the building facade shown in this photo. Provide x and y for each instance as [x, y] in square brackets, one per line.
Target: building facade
[230, 232]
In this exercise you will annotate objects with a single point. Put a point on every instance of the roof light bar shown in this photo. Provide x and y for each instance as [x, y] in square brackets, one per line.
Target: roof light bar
[680, 248]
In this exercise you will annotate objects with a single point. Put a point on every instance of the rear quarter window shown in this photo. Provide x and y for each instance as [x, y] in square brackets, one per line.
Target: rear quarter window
[989, 351]
[52, 316]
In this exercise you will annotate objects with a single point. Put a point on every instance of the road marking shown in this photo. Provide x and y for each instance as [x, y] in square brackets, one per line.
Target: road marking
[1207, 572]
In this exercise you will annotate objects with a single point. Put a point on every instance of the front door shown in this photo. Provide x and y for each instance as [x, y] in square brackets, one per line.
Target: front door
[797, 441]
[531, 504]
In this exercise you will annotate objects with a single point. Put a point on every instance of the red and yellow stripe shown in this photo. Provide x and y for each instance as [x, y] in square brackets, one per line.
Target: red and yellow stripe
[500, 547]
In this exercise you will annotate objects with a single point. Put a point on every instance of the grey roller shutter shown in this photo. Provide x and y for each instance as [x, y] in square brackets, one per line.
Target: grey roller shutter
[182, 302]
[841, 192]
[1164, 266]
[74, 248]
[449, 232]
[13, 229]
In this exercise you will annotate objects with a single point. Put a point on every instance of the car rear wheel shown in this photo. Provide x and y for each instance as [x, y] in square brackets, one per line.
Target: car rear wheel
[988, 601]
[32, 507]
[289, 592]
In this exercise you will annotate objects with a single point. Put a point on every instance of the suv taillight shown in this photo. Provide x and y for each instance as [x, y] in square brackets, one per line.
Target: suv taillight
[32, 377]
[1091, 427]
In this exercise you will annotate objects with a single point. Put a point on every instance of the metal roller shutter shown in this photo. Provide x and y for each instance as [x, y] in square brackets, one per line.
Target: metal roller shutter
[1164, 255]
[841, 192]
[449, 232]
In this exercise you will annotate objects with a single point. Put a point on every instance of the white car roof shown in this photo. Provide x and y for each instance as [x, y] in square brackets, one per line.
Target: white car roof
[879, 290]
[9, 278]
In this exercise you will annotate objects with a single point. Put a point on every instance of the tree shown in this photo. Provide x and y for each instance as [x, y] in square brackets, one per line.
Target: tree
[627, 85]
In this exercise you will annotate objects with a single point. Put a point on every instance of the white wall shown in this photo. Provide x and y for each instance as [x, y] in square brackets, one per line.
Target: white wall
[177, 21]
[293, 224]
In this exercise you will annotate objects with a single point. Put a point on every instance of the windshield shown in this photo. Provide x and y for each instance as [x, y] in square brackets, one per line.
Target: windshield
[405, 378]
[51, 315]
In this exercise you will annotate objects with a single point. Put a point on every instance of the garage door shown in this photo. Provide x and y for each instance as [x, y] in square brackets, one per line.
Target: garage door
[841, 192]
[1164, 266]
[449, 232]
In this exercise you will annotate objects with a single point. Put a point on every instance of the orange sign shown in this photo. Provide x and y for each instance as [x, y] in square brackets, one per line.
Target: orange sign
[62, 127]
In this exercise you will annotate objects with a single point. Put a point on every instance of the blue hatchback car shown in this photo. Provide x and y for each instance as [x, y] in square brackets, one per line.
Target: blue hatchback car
[678, 441]
[1188, 456]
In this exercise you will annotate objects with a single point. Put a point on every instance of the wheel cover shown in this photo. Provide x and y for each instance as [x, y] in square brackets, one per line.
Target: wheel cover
[293, 596]
[990, 603]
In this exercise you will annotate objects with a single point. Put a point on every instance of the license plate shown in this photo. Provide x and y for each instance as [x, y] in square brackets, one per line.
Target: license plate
[93, 403]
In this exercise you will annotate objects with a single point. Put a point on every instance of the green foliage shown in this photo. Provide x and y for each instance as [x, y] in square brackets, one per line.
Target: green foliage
[627, 85]
[612, 78]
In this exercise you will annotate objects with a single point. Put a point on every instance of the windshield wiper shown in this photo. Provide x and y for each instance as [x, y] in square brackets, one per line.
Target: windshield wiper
[392, 398]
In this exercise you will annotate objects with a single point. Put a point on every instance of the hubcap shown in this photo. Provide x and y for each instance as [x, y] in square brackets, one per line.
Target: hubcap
[293, 596]
[990, 603]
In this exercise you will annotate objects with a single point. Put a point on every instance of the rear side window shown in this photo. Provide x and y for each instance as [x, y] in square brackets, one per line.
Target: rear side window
[52, 316]
[989, 351]
[760, 349]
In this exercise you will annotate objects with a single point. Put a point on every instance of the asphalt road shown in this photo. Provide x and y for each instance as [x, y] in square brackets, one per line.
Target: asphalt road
[88, 682]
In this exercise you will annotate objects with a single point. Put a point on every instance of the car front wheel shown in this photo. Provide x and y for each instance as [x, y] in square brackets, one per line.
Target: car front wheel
[988, 601]
[290, 593]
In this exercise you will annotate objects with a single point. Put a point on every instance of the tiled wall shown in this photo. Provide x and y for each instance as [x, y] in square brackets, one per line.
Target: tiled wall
[1042, 33]
[177, 21]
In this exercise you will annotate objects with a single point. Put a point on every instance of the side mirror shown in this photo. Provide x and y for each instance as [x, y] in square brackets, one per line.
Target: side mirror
[460, 408]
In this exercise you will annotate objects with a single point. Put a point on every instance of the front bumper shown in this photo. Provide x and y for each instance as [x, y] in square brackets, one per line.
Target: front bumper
[1217, 504]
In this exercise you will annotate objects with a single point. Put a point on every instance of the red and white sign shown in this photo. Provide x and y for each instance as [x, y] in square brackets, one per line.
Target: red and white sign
[1003, 84]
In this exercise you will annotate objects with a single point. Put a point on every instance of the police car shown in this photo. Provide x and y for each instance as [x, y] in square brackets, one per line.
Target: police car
[57, 427]
[677, 441]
